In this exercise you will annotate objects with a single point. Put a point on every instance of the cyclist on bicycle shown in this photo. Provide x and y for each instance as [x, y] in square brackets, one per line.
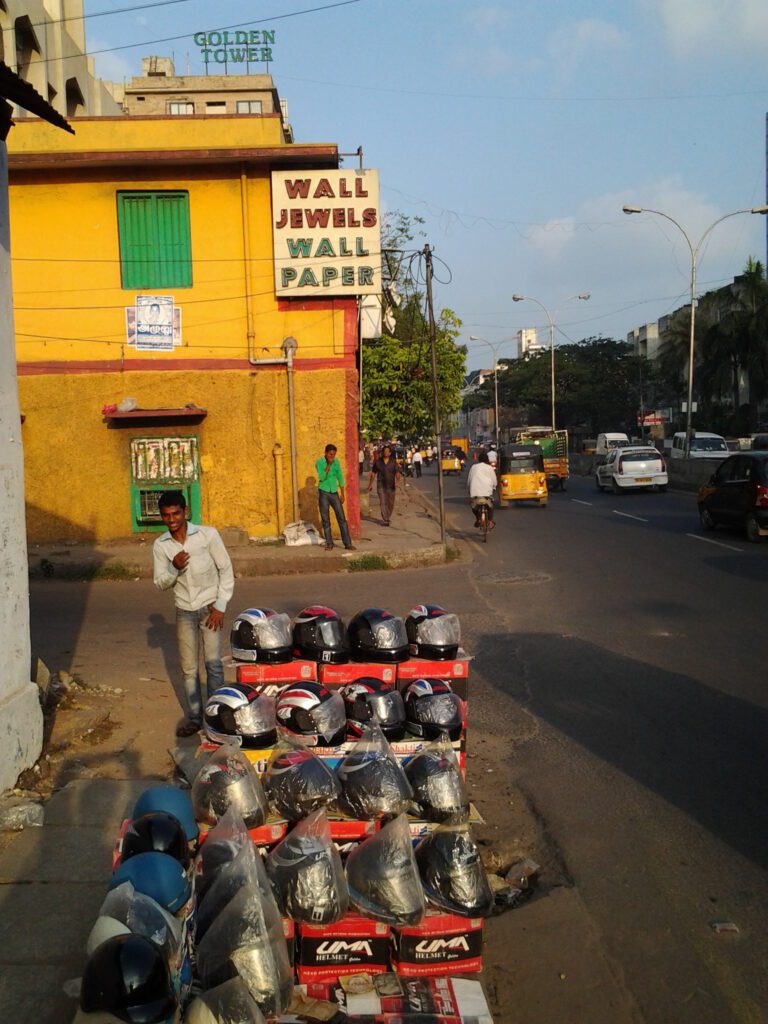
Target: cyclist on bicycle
[482, 483]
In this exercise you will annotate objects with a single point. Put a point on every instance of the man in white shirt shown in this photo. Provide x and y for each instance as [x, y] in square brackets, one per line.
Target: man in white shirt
[193, 561]
[481, 482]
[417, 460]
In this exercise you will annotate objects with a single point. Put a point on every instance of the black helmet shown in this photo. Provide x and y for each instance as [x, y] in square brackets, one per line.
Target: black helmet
[432, 708]
[438, 786]
[306, 874]
[157, 832]
[261, 634]
[433, 632]
[372, 782]
[372, 700]
[297, 783]
[312, 714]
[376, 635]
[383, 878]
[452, 872]
[239, 713]
[213, 856]
[227, 780]
[128, 977]
[319, 635]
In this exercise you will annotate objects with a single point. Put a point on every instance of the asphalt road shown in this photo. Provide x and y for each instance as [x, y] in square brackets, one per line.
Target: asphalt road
[620, 681]
[633, 648]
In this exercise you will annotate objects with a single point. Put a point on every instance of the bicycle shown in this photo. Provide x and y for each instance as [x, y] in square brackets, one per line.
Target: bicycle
[484, 521]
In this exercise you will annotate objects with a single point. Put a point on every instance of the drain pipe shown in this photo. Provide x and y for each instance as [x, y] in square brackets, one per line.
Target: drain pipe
[289, 346]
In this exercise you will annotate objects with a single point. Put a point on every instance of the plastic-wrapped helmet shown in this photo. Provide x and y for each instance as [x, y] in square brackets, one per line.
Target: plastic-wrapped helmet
[373, 784]
[312, 714]
[376, 635]
[128, 977]
[433, 632]
[452, 872]
[319, 635]
[239, 713]
[307, 877]
[126, 910]
[157, 831]
[438, 787]
[228, 1002]
[213, 856]
[297, 783]
[383, 878]
[156, 875]
[172, 800]
[372, 700]
[228, 781]
[432, 708]
[261, 634]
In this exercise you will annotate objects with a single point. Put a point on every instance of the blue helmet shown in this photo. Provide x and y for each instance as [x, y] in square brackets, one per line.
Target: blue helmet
[173, 801]
[157, 875]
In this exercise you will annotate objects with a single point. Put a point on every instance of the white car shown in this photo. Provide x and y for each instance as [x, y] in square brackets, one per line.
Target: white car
[634, 466]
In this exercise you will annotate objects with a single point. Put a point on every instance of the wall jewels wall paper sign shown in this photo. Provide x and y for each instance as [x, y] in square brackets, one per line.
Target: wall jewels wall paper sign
[153, 324]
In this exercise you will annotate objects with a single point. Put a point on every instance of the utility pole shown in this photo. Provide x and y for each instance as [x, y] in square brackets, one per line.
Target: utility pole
[435, 392]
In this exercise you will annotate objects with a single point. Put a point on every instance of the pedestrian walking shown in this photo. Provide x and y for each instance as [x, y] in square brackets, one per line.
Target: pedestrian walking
[360, 460]
[387, 475]
[193, 561]
[330, 495]
[417, 461]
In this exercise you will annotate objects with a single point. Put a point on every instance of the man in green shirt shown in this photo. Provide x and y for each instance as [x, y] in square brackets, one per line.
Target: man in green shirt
[330, 490]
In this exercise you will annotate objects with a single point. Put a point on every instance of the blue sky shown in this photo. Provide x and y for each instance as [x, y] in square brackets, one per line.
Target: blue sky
[518, 131]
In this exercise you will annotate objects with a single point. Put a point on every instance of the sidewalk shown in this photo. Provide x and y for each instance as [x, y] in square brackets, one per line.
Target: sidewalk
[412, 540]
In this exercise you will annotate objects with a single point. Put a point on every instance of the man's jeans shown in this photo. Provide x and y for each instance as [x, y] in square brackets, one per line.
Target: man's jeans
[326, 500]
[190, 633]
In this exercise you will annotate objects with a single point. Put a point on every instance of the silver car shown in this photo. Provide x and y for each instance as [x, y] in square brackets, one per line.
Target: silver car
[632, 467]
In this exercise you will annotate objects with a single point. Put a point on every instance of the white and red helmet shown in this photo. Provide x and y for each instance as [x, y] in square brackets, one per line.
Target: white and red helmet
[261, 634]
[312, 714]
[319, 635]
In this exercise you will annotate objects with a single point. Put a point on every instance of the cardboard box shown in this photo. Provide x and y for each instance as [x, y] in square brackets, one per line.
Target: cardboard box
[348, 829]
[339, 675]
[355, 945]
[441, 944]
[272, 831]
[296, 671]
[442, 999]
[425, 668]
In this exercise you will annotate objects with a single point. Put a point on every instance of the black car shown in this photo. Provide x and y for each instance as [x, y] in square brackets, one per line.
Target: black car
[737, 495]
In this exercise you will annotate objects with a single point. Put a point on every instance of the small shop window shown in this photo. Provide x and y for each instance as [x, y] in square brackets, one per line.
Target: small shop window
[155, 240]
[161, 464]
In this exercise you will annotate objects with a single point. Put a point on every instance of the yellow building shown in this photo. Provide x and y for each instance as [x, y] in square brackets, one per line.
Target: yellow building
[150, 341]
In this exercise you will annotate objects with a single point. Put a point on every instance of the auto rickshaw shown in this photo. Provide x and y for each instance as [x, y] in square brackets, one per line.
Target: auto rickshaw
[451, 461]
[522, 476]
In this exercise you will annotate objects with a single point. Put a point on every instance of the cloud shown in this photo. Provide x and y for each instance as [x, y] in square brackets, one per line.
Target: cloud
[573, 42]
[488, 18]
[713, 26]
[110, 66]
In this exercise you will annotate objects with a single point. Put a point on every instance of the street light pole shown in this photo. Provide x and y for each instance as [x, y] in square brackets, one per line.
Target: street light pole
[495, 350]
[520, 298]
[694, 250]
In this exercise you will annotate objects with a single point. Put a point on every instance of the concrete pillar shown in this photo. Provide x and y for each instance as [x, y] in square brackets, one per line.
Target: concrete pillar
[21, 720]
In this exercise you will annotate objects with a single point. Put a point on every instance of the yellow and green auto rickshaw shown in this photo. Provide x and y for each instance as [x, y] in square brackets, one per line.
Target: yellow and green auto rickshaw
[522, 476]
[450, 461]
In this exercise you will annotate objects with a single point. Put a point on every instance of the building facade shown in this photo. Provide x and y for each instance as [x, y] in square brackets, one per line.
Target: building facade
[43, 41]
[528, 343]
[153, 346]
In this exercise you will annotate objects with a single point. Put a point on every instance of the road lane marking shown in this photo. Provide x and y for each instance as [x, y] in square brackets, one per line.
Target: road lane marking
[582, 502]
[717, 543]
[628, 516]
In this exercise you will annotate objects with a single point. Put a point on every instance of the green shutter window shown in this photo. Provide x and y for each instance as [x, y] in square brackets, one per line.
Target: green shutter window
[155, 245]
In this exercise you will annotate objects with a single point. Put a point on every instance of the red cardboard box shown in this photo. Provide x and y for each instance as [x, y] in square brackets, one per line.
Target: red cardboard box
[347, 829]
[296, 671]
[355, 945]
[441, 944]
[265, 835]
[339, 675]
[424, 668]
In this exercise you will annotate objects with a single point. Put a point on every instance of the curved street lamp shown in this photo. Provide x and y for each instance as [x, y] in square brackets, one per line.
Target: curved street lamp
[694, 249]
[584, 296]
[495, 349]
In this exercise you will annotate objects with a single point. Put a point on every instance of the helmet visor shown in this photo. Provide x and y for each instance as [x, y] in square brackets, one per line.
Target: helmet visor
[274, 632]
[442, 631]
[439, 709]
[386, 708]
[256, 717]
[390, 634]
[332, 633]
[330, 717]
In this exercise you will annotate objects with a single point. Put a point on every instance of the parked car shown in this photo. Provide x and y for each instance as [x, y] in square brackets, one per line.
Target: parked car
[607, 442]
[632, 467]
[703, 446]
[737, 495]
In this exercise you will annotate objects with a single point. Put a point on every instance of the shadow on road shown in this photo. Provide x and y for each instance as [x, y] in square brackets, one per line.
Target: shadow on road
[698, 748]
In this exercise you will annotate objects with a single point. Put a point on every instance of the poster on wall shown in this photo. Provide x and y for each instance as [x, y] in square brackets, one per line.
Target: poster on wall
[326, 233]
[153, 324]
[164, 460]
